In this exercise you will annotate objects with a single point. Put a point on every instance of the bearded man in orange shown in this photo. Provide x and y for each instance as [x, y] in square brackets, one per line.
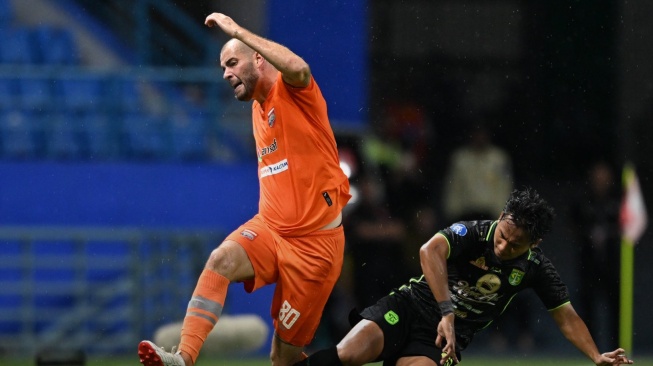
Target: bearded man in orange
[296, 239]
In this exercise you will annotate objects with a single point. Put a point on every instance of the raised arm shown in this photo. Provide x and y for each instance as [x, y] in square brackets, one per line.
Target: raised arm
[575, 330]
[294, 70]
[433, 259]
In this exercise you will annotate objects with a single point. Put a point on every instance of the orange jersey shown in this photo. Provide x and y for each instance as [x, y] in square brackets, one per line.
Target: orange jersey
[302, 187]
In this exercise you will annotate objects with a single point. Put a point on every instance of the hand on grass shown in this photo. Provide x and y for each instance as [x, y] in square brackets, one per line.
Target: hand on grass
[616, 357]
[447, 333]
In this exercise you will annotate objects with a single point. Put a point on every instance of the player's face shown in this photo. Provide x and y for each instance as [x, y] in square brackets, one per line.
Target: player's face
[510, 241]
[239, 72]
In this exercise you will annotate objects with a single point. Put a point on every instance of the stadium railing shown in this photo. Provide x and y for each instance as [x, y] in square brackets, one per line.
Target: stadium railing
[99, 290]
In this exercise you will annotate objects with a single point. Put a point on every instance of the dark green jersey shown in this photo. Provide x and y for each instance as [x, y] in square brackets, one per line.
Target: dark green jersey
[481, 286]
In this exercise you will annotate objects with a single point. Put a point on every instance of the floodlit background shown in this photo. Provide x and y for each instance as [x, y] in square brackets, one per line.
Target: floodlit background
[124, 158]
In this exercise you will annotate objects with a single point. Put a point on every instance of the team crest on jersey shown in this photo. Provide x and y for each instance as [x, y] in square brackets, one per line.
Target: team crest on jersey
[271, 117]
[459, 229]
[249, 234]
[515, 277]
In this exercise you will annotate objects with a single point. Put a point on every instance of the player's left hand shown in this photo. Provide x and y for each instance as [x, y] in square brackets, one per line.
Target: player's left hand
[616, 357]
[447, 334]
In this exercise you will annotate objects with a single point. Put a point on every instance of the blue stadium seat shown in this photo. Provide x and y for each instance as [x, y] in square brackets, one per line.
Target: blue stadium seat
[8, 93]
[16, 46]
[112, 260]
[128, 96]
[35, 94]
[61, 135]
[17, 135]
[82, 94]
[12, 274]
[97, 136]
[189, 136]
[55, 46]
[56, 281]
[144, 136]
[6, 12]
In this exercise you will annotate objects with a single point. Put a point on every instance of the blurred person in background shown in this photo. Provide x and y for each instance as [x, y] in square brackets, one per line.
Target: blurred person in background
[471, 272]
[477, 184]
[595, 219]
[296, 240]
[397, 152]
[375, 241]
[479, 178]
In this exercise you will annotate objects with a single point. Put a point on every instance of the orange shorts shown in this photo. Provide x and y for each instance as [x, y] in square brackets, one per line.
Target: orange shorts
[304, 268]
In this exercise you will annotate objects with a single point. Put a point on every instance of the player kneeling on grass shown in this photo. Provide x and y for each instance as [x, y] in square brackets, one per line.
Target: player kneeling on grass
[471, 271]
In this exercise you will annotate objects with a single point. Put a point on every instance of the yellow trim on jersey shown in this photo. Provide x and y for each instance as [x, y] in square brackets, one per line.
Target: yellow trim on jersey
[559, 306]
[492, 227]
[448, 244]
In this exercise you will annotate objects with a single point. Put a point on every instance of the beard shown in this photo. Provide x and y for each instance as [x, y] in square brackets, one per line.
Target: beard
[248, 82]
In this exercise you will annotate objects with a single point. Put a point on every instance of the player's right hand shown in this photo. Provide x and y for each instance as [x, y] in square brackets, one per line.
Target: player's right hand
[447, 333]
[616, 357]
[224, 22]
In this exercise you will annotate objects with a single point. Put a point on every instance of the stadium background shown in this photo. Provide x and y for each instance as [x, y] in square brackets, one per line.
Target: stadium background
[124, 158]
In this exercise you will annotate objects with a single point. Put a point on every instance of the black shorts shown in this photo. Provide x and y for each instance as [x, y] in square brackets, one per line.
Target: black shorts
[405, 331]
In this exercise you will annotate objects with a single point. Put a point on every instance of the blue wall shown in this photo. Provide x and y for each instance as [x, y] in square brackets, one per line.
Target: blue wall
[332, 37]
[209, 196]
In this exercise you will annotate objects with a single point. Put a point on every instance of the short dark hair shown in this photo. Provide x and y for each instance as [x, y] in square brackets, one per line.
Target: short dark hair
[530, 212]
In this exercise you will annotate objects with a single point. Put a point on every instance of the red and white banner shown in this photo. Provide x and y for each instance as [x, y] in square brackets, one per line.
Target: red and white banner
[632, 216]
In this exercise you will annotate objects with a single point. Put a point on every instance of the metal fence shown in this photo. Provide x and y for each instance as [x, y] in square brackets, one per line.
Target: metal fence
[99, 290]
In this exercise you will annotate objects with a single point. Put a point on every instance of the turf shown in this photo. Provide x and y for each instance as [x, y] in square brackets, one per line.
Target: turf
[469, 361]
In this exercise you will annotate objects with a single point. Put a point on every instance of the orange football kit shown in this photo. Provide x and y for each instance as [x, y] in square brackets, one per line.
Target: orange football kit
[302, 189]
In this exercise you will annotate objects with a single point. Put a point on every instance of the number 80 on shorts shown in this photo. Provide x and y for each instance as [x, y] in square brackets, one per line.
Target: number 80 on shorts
[287, 315]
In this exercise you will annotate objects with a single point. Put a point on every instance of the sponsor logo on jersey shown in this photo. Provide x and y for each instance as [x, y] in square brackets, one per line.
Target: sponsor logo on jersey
[459, 229]
[267, 150]
[480, 263]
[532, 257]
[515, 277]
[271, 117]
[249, 234]
[488, 284]
[273, 169]
[485, 291]
[460, 314]
[391, 317]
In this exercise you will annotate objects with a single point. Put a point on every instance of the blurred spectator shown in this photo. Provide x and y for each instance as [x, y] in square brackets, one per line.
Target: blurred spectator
[595, 219]
[477, 185]
[375, 241]
[398, 151]
[479, 179]
[421, 226]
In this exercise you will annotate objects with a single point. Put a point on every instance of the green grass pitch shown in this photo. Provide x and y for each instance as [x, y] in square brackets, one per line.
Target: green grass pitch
[469, 361]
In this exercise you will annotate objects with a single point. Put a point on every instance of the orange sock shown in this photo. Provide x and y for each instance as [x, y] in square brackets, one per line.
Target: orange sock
[204, 310]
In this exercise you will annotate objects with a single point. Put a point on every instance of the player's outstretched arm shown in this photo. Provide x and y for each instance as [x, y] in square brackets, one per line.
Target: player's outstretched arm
[575, 330]
[433, 259]
[294, 69]
[616, 357]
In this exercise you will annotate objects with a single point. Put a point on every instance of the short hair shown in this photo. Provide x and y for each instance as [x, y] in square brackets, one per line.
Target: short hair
[239, 46]
[530, 212]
